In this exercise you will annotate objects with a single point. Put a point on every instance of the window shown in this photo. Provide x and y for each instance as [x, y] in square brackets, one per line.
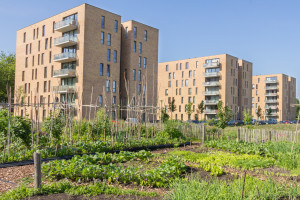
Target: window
[180, 66]
[139, 76]
[32, 60]
[258, 80]
[176, 83]
[186, 83]
[179, 108]
[45, 86]
[182, 83]
[134, 32]
[145, 63]
[134, 46]
[37, 32]
[50, 42]
[26, 62]
[108, 54]
[179, 91]
[52, 71]
[140, 61]
[114, 86]
[139, 88]
[196, 90]
[126, 32]
[50, 57]
[116, 26]
[100, 100]
[39, 46]
[167, 68]
[194, 82]
[43, 32]
[108, 70]
[26, 51]
[30, 48]
[46, 43]
[170, 75]
[190, 74]
[182, 74]
[133, 74]
[194, 73]
[102, 37]
[177, 66]
[32, 75]
[23, 75]
[166, 92]
[107, 85]
[197, 64]
[173, 75]
[140, 47]
[101, 69]
[113, 102]
[145, 35]
[186, 65]
[102, 22]
[45, 72]
[190, 91]
[28, 90]
[169, 84]
[24, 37]
[258, 99]
[108, 39]
[49, 85]
[181, 99]
[42, 60]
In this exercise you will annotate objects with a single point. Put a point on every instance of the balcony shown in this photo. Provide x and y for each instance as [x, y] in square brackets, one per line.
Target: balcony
[273, 114]
[65, 25]
[271, 81]
[65, 41]
[271, 101]
[211, 74]
[211, 102]
[271, 87]
[65, 57]
[64, 73]
[272, 107]
[210, 112]
[211, 65]
[211, 84]
[270, 94]
[64, 89]
[210, 93]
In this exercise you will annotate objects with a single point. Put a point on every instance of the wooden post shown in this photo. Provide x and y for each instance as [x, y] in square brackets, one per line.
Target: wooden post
[37, 170]
[203, 135]
[269, 135]
[238, 135]
[9, 119]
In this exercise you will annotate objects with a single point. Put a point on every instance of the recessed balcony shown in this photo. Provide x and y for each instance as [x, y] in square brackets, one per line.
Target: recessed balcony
[210, 93]
[65, 57]
[211, 84]
[211, 65]
[271, 94]
[271, 81]
[211, 74]
[65, 25]
[64, 89]
[272, 107]
[64, 73]
[271, 101]
[211, 102]
[65, 41]
[210, 112]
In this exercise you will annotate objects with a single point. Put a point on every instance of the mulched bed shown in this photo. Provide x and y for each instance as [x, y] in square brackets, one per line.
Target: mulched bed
[101, 196]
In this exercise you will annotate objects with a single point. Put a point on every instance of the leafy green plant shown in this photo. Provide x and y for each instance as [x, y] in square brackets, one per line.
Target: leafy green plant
[21, 128]
[224, 115]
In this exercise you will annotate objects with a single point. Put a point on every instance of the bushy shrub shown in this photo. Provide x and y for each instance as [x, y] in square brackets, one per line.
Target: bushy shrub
[21, 128]
[57, 122]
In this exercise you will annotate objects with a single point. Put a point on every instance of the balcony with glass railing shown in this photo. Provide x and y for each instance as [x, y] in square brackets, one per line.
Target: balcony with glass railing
[272, 107]
[211, 102]
[272, 114]
[273, 87]
[65, 57]
[64, 73]
[208, 93]
[211, 84]
[64, 89]
[211, 65]
[271, 94]
[271, 101]
[65, 25]
[211, 74]
[210, 112]
[271, 81]
[65, 41]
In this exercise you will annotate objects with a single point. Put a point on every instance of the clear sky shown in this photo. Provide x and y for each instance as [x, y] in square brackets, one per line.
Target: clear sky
[264, 32]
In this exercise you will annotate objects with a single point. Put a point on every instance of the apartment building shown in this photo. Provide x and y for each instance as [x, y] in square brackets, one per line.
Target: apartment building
[75, 57]
[274, 94]
[139, 67]
[208, 79]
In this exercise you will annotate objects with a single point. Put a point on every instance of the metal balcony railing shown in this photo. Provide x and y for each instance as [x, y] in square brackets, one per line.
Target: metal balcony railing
[64, 73]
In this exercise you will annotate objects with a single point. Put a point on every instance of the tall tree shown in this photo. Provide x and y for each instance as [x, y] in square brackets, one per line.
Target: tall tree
[224, 115]
[200, 108]
[258, 113]
[7, 75]
[188, 110]
[172, 107]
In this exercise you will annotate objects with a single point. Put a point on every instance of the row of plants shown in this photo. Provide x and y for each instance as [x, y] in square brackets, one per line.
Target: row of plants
[88, 168]
[280, 151]
[215, 162]
[71, 189]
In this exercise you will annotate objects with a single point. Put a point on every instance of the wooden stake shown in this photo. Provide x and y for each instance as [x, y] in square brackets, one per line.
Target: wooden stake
[37, 170]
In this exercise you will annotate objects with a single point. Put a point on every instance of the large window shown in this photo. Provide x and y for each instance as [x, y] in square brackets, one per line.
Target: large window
[145, 63]
[140, 47]
[115, 56]
[139, 76]
[108, 54]
[145, 35]
[102, 22]
[134, 32]
[24, 37]
[108, 39]
[100, 100]
[44, 29]
[134, 46]
[108, 70]
[114, 86]
[186, 65]
[167, 67]
[107, 85]
[133, 74]
[102, 37]
[140, 61]
[116, 26]
[101, 69]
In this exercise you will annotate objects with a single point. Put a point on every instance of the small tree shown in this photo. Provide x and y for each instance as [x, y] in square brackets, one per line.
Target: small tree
[188, 110]
[172, 107]
[224, 115]
[200, 108]
[164, 115]
[258, 112]
[54, 124]
[21, 128]
[247, 117]
[269, 111]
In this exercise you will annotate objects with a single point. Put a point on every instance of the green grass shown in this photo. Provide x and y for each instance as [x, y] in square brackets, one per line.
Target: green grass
[66, 187]
[194, 188]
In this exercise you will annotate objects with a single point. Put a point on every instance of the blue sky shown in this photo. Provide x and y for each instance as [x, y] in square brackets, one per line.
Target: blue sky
[265, 32]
